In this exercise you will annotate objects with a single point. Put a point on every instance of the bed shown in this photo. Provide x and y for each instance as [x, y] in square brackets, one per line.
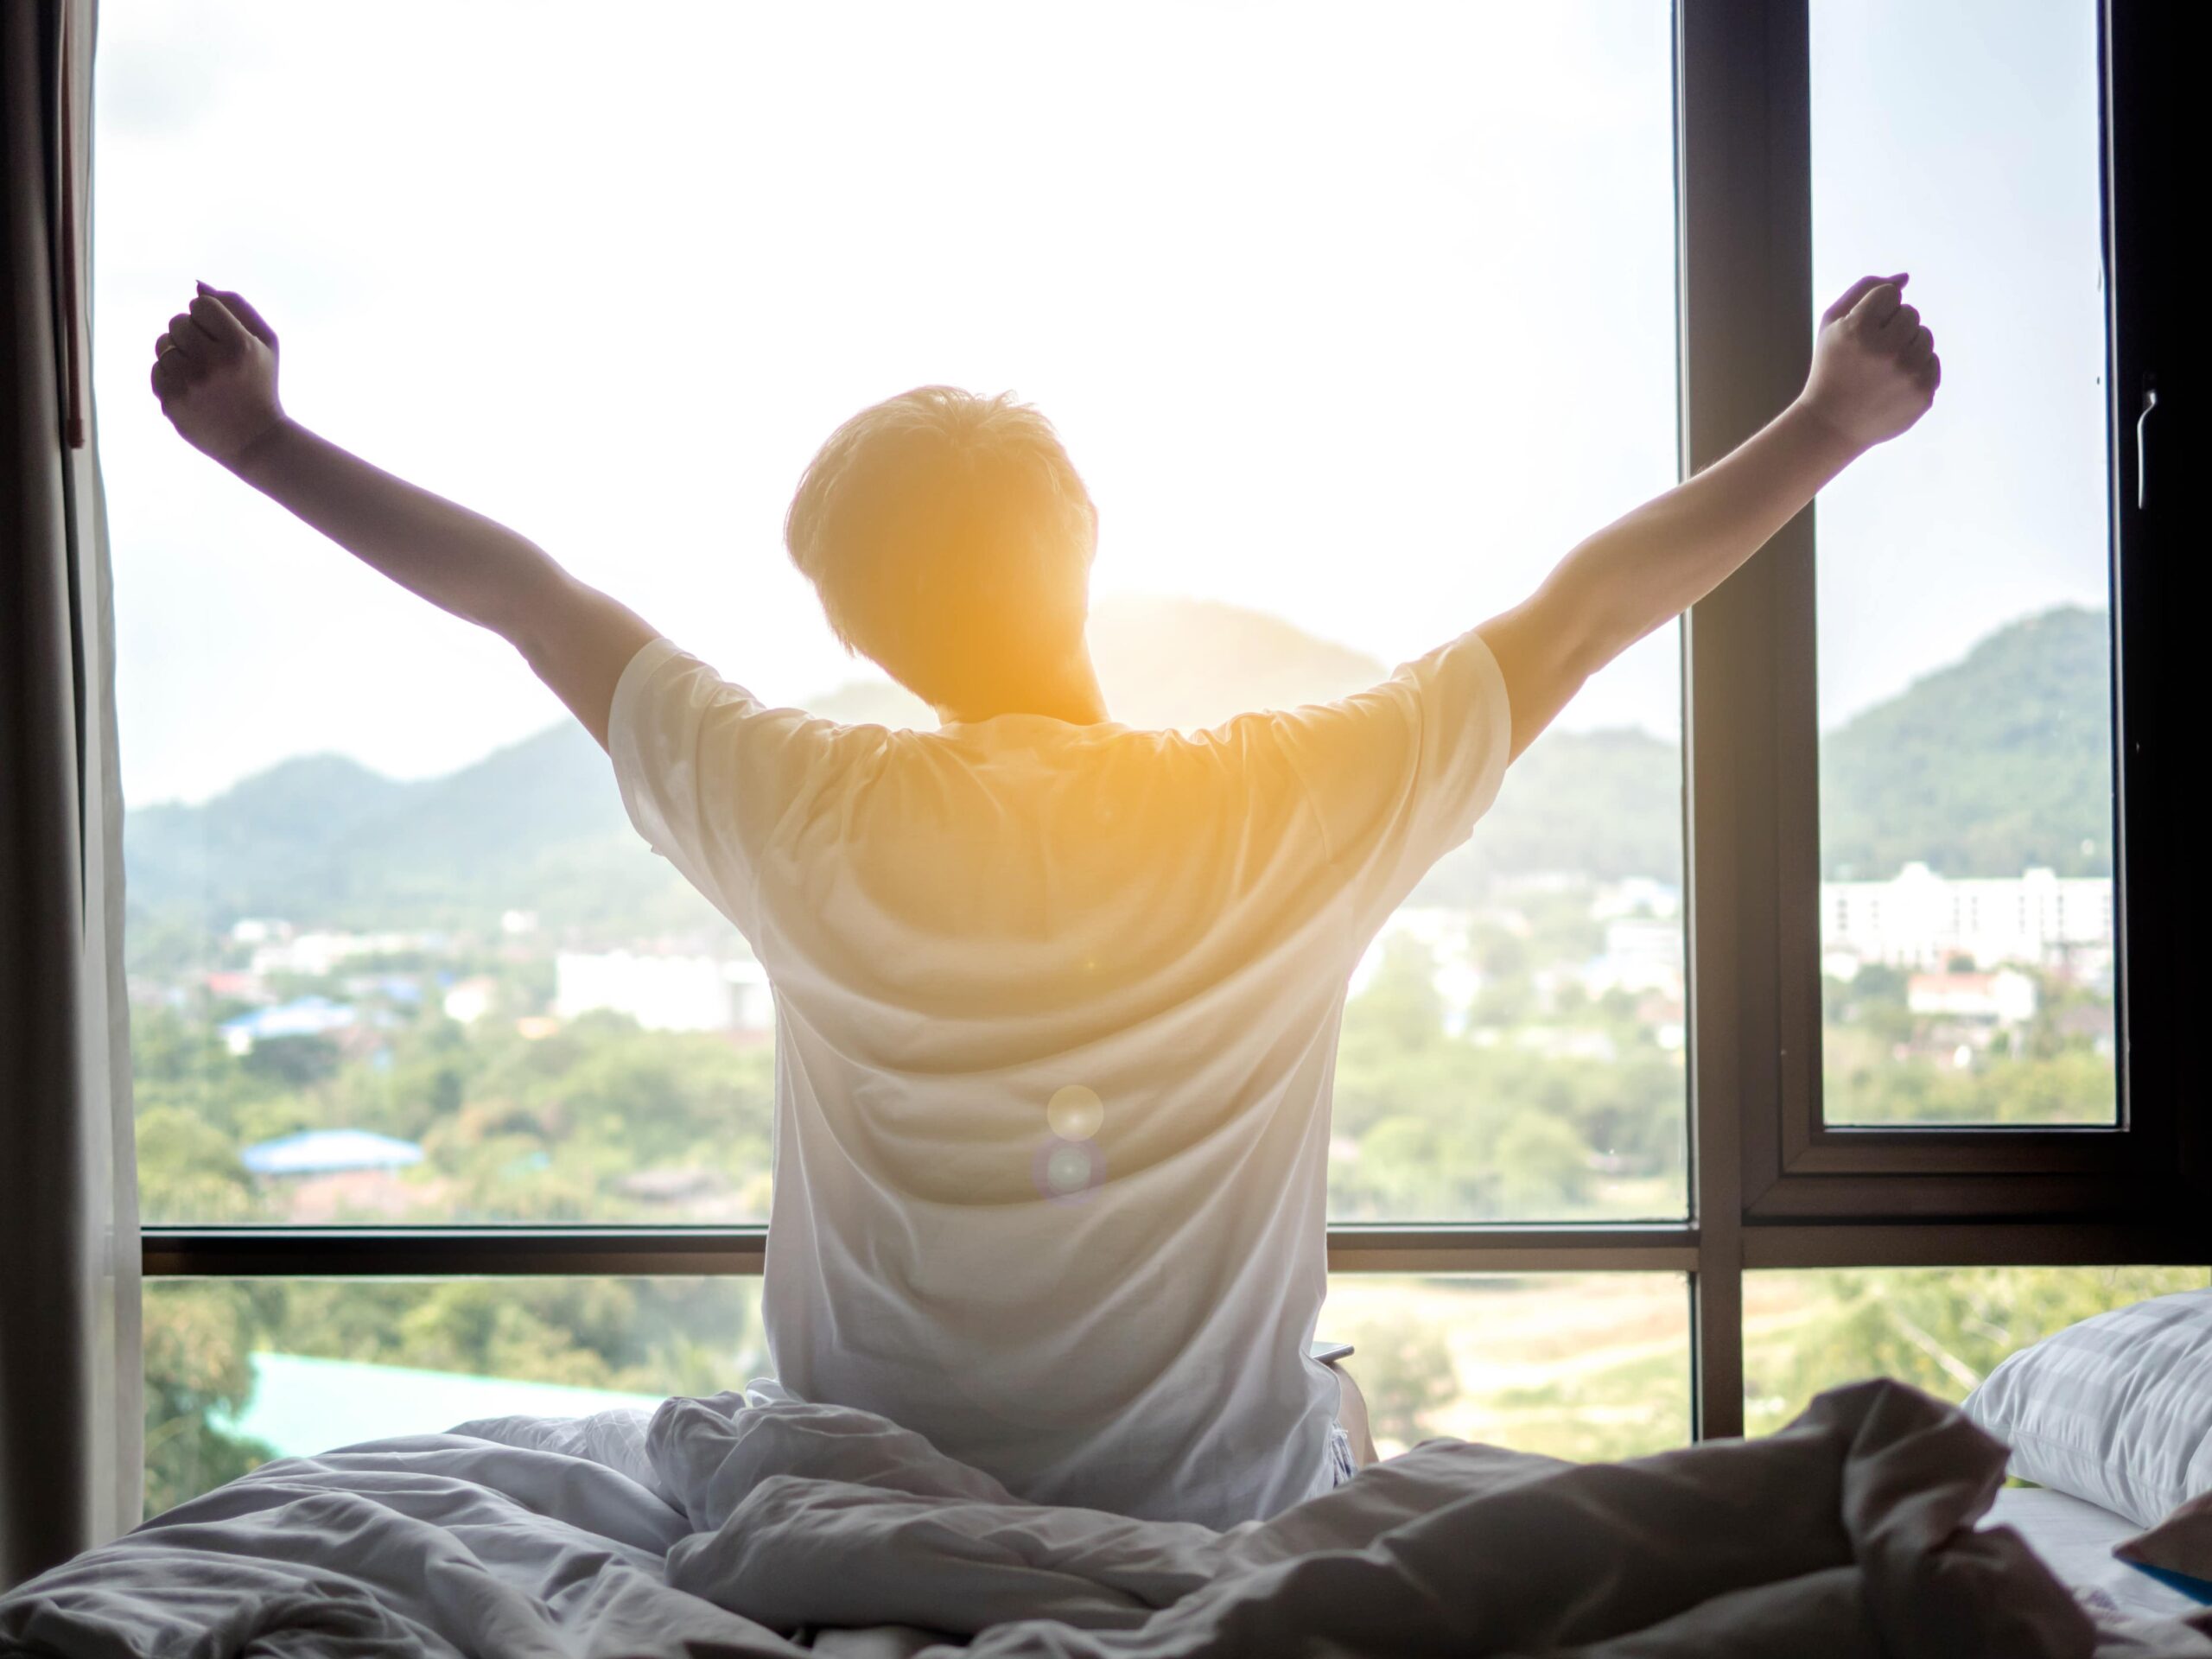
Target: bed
[2075, 1539]
[745, 1525]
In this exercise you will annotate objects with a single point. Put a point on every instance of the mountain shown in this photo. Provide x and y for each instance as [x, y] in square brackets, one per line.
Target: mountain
[1180, 664]
[1606, 804]
[322, 841]
[539, 825]
[1981, 768]
[1997, 763]
[277, 828]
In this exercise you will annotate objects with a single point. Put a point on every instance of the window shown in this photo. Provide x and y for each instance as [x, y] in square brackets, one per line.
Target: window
[1578, 1365]
[1969, 953]
[397, 959]
[1939, 1329]
[242, 1370]
[1808, 970]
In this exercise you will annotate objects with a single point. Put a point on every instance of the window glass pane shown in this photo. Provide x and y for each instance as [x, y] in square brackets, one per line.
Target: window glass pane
[1964, 578]
[1941, 1329]
[241, 1371]
[1317, 309]
[1574, 1365]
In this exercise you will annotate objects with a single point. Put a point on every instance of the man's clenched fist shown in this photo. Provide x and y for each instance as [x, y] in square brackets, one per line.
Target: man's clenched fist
[215, 373]
[1875, 369]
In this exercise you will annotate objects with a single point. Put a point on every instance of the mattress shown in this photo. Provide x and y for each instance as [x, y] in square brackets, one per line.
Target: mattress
[2075, 1539]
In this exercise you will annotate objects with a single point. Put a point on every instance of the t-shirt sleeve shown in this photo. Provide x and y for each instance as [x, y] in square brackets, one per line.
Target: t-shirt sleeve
[1398, 774]
[710, 775]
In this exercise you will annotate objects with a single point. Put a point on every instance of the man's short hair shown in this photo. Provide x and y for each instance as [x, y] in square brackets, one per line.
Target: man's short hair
[950, 539]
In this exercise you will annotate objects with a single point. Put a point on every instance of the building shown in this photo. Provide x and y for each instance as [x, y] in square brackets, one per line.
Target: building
[303, 1405]
[329, 1151]
[1643, 954]
[472, 999]
[671, 993]
[315, 955]
[306, 1016]
[322, 1177]
[235, 985]
[1920, 919]
[2006, 997]
[1637, 896]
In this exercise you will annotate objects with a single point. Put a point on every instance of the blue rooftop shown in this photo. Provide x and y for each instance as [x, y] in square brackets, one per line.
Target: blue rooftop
[309, 1016]
[301, 1406]
[321, 1151]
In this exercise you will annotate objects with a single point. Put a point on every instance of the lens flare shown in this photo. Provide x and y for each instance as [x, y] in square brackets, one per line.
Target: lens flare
[1069, 1170]
[1075, 1112]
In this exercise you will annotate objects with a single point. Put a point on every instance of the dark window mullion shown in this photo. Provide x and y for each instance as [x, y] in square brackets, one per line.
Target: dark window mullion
[2161, 590]
[467, 1252]
[1744, 202]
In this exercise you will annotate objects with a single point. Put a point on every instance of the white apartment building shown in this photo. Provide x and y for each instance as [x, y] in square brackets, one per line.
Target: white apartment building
[664, 992]
[318, 954]
[2006, 997]
[1637, 895]
[1643, 954]
[1921, 920]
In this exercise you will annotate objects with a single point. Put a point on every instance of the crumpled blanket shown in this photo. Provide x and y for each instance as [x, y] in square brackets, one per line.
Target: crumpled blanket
[743, 1525]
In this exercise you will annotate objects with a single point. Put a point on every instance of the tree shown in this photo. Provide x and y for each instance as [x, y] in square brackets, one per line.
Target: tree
[199, 1379]
[1400, 1006]
[1940, 1330]
[1405, 1371]
[1543, 1165]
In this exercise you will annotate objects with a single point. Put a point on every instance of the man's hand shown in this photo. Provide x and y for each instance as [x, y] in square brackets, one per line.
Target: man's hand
[1875, 369]
[215, 373]
[1874, 374]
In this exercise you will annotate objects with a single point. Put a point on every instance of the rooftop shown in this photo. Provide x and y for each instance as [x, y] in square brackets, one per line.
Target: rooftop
[318, 1152]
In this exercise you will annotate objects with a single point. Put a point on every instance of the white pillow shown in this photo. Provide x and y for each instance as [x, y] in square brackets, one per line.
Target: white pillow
[2116, 1410]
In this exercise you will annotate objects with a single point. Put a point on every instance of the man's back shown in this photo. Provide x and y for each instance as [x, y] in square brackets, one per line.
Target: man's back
[1056, 1017]
[964, 925]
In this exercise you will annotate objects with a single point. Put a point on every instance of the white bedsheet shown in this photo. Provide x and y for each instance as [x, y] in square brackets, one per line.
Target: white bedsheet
[721, 1527]
[2075, 1539]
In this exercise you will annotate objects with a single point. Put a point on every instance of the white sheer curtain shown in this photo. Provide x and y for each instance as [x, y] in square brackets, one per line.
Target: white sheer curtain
[71, 1469]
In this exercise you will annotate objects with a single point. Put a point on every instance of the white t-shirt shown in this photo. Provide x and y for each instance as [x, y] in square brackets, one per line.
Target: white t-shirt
[1055, 1020]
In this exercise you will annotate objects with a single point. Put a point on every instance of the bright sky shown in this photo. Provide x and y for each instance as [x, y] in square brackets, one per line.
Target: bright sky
[1957, 140]
[1361, 316]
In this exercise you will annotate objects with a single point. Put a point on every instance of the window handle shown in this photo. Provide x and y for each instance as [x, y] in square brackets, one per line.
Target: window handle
[2143, 445]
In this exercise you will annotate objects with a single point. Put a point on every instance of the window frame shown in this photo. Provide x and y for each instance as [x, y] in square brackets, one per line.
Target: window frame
[1797, 1167]
[1769, 1184]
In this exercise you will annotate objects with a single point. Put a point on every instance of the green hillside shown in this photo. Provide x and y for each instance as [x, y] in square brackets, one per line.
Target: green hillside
[1173, 664]
[321, 841]
[539, 825]
[279, 831]
[1999, 762]
[1604, 804]
[1981, 768]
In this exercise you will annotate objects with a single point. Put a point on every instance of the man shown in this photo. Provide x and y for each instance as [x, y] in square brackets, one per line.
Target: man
[1056, 1000]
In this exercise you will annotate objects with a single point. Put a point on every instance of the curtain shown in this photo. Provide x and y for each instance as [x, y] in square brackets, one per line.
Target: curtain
[71, 1464]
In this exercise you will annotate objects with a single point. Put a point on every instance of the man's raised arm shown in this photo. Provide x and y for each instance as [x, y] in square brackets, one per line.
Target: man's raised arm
[215, 374]
[1874, 373]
